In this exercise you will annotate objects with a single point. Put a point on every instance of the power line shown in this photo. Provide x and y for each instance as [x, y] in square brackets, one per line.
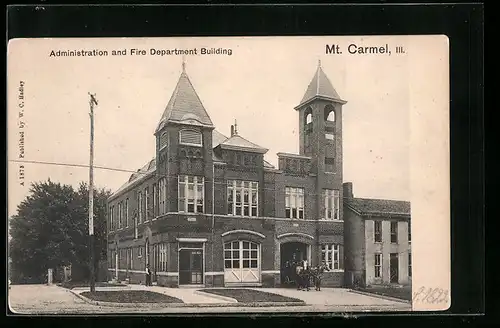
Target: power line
[75, 165]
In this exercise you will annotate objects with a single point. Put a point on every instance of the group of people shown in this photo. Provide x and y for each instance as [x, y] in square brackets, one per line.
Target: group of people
[306, 275]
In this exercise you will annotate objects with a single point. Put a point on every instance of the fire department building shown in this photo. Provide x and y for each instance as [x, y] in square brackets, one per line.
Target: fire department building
[208, 210]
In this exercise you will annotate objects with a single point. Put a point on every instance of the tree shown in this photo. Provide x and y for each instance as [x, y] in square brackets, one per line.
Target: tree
[50, 230]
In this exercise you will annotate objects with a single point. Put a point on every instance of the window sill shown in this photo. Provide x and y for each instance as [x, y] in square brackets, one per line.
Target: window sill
[190, 144]
[242, 216]
[333, 220]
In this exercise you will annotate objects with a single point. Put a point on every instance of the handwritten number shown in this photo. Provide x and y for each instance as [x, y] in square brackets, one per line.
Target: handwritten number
[431, 295]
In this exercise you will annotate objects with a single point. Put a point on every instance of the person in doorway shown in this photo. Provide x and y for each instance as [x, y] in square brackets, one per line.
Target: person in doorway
[298, 276]
[148, 275]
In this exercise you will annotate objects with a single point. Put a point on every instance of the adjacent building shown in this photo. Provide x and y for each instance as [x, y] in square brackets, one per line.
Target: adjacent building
[378, 247]
[208, 210]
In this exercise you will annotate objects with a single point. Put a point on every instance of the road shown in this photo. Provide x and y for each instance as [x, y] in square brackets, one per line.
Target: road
[42, 299]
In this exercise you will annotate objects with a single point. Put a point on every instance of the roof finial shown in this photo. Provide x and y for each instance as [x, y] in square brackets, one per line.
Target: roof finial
[235, 127]
[319, 63]
[183, 63]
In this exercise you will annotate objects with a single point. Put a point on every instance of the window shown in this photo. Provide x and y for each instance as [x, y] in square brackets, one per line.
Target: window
[409, 264]
[190, 137]
[119, 215]
[242, 198]
[332, 204]
[394, 232]
[163, 140]
[162, 186]
[330, 255]
[139, 251]
[308, 118]
[111, 219]
[409, 232]
[155, 200]
[329, 164]
[294, 203]
[146, 204]
[139, 207]
[160, 257]
[330, 115]
[378, 265]
[191, 194]
[241, 254]
[126, 213]
[378, 231]
[330, 136]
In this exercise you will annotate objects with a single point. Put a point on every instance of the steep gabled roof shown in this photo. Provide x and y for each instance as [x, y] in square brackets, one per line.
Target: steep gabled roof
[185, 106]
[379, 207]
[320, 86]
[237, 142]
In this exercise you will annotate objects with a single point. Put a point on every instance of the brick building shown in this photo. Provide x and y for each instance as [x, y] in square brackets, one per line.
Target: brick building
[378, 251]
[209, 210]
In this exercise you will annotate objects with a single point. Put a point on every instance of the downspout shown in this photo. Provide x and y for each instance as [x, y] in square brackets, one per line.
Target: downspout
[213, 219]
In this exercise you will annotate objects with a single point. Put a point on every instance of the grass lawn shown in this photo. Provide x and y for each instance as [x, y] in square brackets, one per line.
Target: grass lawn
[401, 293]
[71, 285]
[251, 296]
[130, 296]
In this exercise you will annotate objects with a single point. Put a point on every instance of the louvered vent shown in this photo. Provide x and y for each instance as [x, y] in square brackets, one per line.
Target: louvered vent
[190, 137]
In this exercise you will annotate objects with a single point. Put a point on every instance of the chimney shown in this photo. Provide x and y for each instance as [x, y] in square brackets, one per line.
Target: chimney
[347, 186]
[232, 130]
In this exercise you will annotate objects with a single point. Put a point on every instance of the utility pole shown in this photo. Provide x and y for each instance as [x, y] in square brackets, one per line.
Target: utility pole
[93, 102]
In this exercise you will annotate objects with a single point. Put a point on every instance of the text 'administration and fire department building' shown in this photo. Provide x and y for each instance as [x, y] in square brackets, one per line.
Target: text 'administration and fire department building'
[208, 209]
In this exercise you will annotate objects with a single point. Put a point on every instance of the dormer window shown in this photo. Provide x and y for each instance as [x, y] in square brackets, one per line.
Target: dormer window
[190, 137]
[163, 140]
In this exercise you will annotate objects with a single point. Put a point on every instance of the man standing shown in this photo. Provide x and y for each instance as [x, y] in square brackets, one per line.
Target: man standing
[148, 275]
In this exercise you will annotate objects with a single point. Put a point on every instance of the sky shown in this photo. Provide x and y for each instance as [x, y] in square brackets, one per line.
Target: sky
[258, 86]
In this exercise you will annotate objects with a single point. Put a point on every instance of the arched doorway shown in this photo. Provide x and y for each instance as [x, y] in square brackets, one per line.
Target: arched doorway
[292, 253]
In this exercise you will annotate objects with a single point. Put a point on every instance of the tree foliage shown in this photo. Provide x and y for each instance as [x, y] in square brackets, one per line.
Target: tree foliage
[50, 230]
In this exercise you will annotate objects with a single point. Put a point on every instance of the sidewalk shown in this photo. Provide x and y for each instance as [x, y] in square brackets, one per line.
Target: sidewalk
[336, 297]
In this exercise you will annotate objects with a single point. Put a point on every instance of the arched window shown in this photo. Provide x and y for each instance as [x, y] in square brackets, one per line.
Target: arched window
[308, 116]
[163, 140]
[190, 137]
[329, 114]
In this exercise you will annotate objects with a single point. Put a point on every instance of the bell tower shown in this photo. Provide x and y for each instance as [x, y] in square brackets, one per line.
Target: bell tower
[320, 126]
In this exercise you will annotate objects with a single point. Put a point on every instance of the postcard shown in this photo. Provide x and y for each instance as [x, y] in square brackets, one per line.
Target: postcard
[228, 174]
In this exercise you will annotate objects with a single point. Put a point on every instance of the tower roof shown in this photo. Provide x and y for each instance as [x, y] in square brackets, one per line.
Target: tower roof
[320, 86]
[185, 106]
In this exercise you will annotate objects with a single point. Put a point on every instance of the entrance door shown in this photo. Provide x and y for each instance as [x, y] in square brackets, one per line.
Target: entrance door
[291, 254]
[241, 262]
[190, 266]
[394, 268]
